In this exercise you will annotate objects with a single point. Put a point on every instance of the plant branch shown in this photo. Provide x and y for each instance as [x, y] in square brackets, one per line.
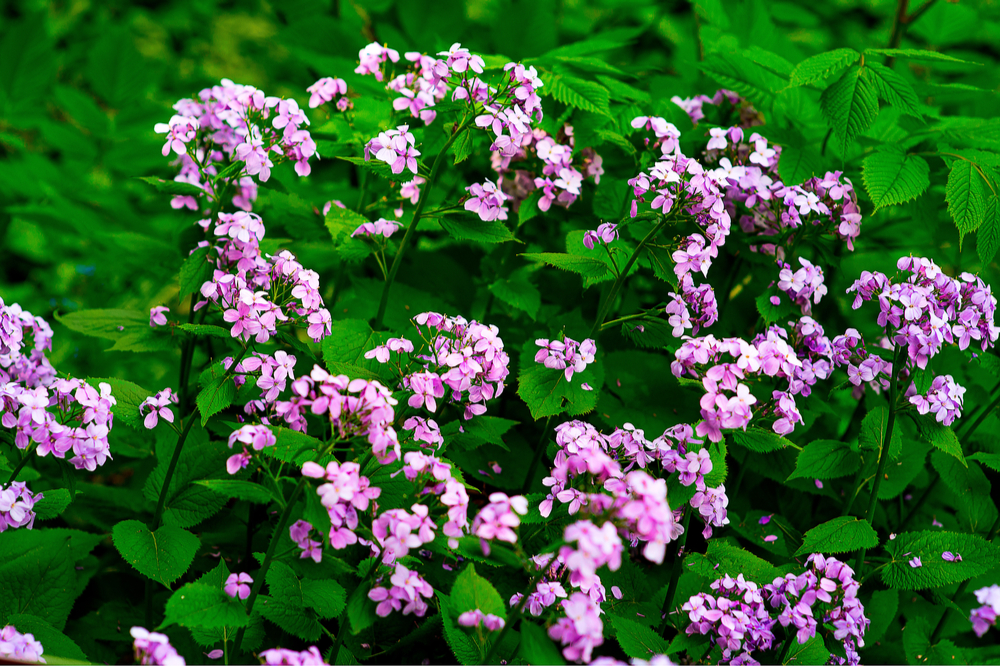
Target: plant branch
[675, 572]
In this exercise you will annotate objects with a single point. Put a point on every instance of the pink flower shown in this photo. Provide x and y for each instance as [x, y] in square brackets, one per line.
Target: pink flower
[156, 316]
[237, 585]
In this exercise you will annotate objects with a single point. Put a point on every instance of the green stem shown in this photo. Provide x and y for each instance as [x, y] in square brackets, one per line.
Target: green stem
[23, 462]
[883, 457]
[613, 293]
[637, 316]
[417, 213]
[162, 500]
[899, 22]
[515, 615]
[961, 589]
[279, 530]
[981, 418]
[675, 572]
[537, 457]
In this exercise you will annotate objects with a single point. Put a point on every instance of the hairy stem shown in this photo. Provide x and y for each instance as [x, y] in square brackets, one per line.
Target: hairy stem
[883, 457]
[613, 293]
[675, 572]
[417, 213]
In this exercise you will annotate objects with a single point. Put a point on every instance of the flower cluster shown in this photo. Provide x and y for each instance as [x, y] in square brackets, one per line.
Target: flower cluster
[299, 532]
[16, 506]
[158, 406]
[287, 656]
[735, 615]
[380, 227]
[257, 293]
[498, 519]
[235, 123]
[475, 618]
[943, 399]
[436, 477]
[487, 201]
[29, 369]
[466, 357]
[804, 286]
[409, 593]
[153, 648]
[986, 615]
[238, 585]
[328, 89]
[345, 493]
[20, 647]
[257, 437]
[566, 355]
[580, 630]
[397, 148]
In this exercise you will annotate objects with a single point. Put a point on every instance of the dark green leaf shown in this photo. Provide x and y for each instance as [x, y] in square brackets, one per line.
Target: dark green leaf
[822, 66]
[850, 105]
[978, 556]
[826, 459]
[163, 556]
[838, 536]
[472, 228]
[893, 177]
[204, 606]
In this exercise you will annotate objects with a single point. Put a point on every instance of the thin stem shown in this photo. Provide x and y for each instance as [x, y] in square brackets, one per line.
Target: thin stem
[515, 615]
[537, 457]
[981, 418]
[609, 299]
[417, 213]
[637, 316]
[162, 500]
[912, 18]
[899, 22]
[23, 462]
[883, 457]
[961, 589]
[279, 530]
[675, 572]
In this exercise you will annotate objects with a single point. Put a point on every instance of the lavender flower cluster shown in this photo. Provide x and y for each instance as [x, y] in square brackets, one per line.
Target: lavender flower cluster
[20, 647]
[986, 615]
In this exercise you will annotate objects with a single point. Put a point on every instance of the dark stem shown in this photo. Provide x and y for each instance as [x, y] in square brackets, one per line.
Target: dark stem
[279, 530]
[961, 589]
[883, 457]
[417, 213]
[613, 293]
[537, 457]
[899, 22]
[162, 500]
[675, 572]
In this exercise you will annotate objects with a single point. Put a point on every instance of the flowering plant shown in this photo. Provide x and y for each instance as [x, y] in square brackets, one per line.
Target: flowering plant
[540, 359]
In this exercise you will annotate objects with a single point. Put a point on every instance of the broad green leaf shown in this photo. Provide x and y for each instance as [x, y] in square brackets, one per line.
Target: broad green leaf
[204, 606]
[301, 623]
[129, 329]
[872, 433]
[472, 228]
[638, 641]
[206, 330]
[918, 648]
[577, 93]
[942, 437]
[377, 167]
[894, 89]
[881, 609]
[966, 194]
[850, 105]
[536, 647]
[349, 341]
[472, 591]
[971, 489]
[236, 488]
[592, 269]
[462, 643]
[293, 446]
[128, 397]
[838, 536]
[482, 429]
[774, 313]
[893, 177]
[918, 54]
[462, 146]
[215, 397]
[341, 223]
[173, 187]
[799, 162]
[988, 236]
[163, 555]
[529, 208]
[361, 609]
[326, 597]
[547, 392]
[195, 271]
[978, 556]
[53, 503]
[826, 459]
[740, 73]
[731, 560]
[517, 291]
[822, 66]
[989, 460]
[761, 440]
[813, 652]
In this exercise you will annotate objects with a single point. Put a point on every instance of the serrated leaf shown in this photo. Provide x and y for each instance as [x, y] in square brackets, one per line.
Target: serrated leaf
[472, 591]
[204, 606]
[978, 556]
[826, 459]
[774, 313]
[536, 647]
[850, 105]
[731, 560]
[163, 555]
[296, 621]
[838, 536]
[518, 291]
[872, 434]
[205, 330]
[971, 489]
[881, 609]
[195, 271]
[459, 641]
[53, 503]
[638, 641]
[462, 146]
[52, 640]
[813, 652]
[173, 187]
[752, 80]
[236, 488]
[759, 440]
[215, 397]
[799, 162]
[918, 54]
[341, 223]
[966, 194]
[988, 236]
[128, 396]
[918, 648]
[893, 177]
[822, 66]
[473, 228]
[547, 392]
[577, 93]
[129, 329]
[894, 89]
[942, 437]
[591, 268]
[991, 461]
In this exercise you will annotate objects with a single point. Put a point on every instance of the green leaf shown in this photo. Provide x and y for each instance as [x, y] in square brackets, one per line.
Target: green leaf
[988, 236]
[294, 620]
[918, 648]
[638, 641]
[978, 556]
[462, 147]
[129, 329]
[236, 488]
[349, 341]
[547, 392]
[850, 105]
[592, 269]
[989, 460]
[576, 93]
[517, 291]
[173, 187]
[215, 397]
[813, 652]
[881, 609]
[872, 433]
[128, 396]
[195, 272]
[293, 446]
[341, 223]
[472, 591]
[326, 597]
[971, 489]
[529, 208]
[893, 177]
[53, 503]
[752, 80]
[731, 560]
[52, 640]
[774, 313]
[966, 194]
[839, 536]
[536, 647]
[822, 66]
[941, 436]
[163, 556]
[799, 162]
[760, 440]
[466, 648]
[473, 228]
[894, 89]
[826, 459]
[204, 606]
[918, 54]
[377, 167]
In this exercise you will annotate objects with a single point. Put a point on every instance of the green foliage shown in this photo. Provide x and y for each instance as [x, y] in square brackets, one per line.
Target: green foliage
[822, 66]
[536, 647]
[850, 105]
[162, 555]
[978, 556]
[826, 459]
[638, 641]
[547, 392]
[893, 177]
[204, 606]
[760, 440]
[838, 536]
[469, 228]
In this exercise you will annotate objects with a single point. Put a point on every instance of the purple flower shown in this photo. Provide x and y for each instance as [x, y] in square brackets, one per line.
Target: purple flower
[286, 656]
[915, 562]
[16, 507]
[325, 90]
[237, 585]
[156, 316]
[951, 558]
[153, 648]
[19, 648]
[158, 406]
